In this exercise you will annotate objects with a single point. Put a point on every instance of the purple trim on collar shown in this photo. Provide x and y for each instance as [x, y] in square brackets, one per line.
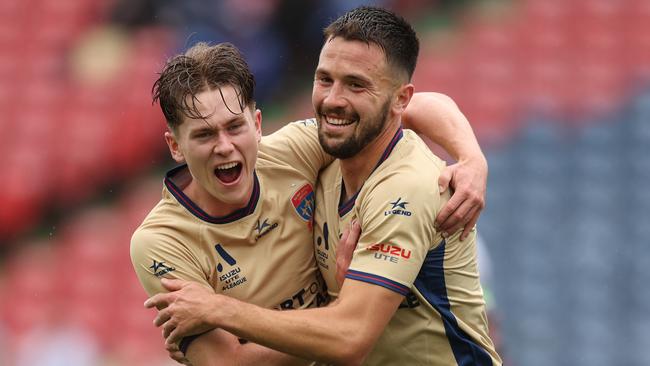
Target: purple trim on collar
[345, 207]
[198, 212]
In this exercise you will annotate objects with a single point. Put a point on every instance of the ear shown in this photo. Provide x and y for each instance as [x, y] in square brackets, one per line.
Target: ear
[174, 148]
[257, 118]
[403, 96]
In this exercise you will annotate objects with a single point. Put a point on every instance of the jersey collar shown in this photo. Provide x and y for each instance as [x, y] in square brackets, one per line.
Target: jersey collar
[345, 207]
[198, 212]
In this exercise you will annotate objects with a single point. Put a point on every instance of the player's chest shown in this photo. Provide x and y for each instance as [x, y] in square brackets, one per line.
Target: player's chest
[272, 244]
[329, 226]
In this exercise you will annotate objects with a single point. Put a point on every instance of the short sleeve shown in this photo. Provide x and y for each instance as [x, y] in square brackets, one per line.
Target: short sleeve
[396, 218]
[296, 144]
[156, 255]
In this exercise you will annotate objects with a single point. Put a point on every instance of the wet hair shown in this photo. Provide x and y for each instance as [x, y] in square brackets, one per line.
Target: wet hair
[390, 32]
[201, 68]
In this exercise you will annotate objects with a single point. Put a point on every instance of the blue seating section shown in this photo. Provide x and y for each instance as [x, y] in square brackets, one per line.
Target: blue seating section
[568, 223]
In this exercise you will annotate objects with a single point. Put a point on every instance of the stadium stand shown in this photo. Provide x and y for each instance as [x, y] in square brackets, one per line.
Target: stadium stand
[68, 134]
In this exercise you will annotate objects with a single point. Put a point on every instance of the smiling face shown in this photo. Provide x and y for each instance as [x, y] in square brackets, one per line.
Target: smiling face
[220, 151]
[353, 96]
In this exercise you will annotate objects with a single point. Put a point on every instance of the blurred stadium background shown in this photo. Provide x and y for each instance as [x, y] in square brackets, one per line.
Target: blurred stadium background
[558, 92]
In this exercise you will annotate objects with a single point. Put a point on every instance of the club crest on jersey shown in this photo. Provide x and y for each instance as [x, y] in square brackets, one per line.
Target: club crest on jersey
[160, 268]
[231, 277]
[303, 201]
[398, 207]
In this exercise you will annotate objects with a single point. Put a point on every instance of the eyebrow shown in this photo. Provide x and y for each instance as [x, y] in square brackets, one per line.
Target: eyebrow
[201, 129]
[348, 77]
[235, 119]
[361, 79]
[208, 127]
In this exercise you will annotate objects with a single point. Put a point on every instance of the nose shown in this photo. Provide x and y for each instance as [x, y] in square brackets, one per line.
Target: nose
[223, 145]
[334, 97]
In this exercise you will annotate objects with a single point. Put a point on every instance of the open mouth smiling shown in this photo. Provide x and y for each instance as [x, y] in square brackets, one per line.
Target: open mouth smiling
[229, 172]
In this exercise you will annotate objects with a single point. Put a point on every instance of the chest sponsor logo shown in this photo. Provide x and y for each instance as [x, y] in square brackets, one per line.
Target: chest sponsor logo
[313, 295]
[322, 247]
[230, 276]
[263, 228]
[398, 207]
[160, 268]
[303, 201]
[389, 252]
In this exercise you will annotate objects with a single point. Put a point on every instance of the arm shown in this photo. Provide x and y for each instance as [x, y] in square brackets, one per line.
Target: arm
[437, 117]
[214, 347]
[297, 144]
[220, 348]
[342, 333]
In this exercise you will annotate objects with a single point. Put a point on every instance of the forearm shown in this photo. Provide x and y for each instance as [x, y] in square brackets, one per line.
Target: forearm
[321, 334]
[252, 354]
[437, 117]
[220, 348]
[343, 332]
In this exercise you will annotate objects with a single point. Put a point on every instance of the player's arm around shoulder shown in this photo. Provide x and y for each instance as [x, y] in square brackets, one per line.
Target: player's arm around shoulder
[296, 144]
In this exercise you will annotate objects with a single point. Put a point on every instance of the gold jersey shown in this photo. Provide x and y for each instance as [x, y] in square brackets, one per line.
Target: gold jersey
[262, 253]
[442, 319]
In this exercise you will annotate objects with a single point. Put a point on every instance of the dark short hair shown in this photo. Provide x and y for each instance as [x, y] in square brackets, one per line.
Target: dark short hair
[202, 67]
[390, 32]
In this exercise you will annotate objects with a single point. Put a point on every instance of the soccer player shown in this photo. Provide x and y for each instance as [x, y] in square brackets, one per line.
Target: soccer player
[411, 296]
[231, 219]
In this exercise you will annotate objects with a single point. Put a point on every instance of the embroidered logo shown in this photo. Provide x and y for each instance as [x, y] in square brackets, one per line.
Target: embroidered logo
[398, 207]
[303, 202]
[263, 228]
[159, 268]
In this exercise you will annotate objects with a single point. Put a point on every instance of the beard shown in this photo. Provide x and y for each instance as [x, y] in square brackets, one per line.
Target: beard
[362, 135]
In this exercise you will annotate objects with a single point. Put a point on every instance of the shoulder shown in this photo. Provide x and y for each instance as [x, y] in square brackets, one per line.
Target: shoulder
[409, 175]
[413, 153]
[411, 166]
[146, 240]
[161, 229]
[294, 131]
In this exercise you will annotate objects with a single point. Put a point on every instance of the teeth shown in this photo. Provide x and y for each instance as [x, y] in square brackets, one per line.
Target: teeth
[227, 166]
[338, 121]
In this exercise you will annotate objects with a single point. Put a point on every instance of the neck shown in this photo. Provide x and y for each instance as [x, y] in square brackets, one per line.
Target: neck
[357, 169]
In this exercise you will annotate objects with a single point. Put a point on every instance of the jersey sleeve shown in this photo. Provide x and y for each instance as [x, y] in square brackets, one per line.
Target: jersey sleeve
[156, 255]
[296, 144]
[397, 231]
